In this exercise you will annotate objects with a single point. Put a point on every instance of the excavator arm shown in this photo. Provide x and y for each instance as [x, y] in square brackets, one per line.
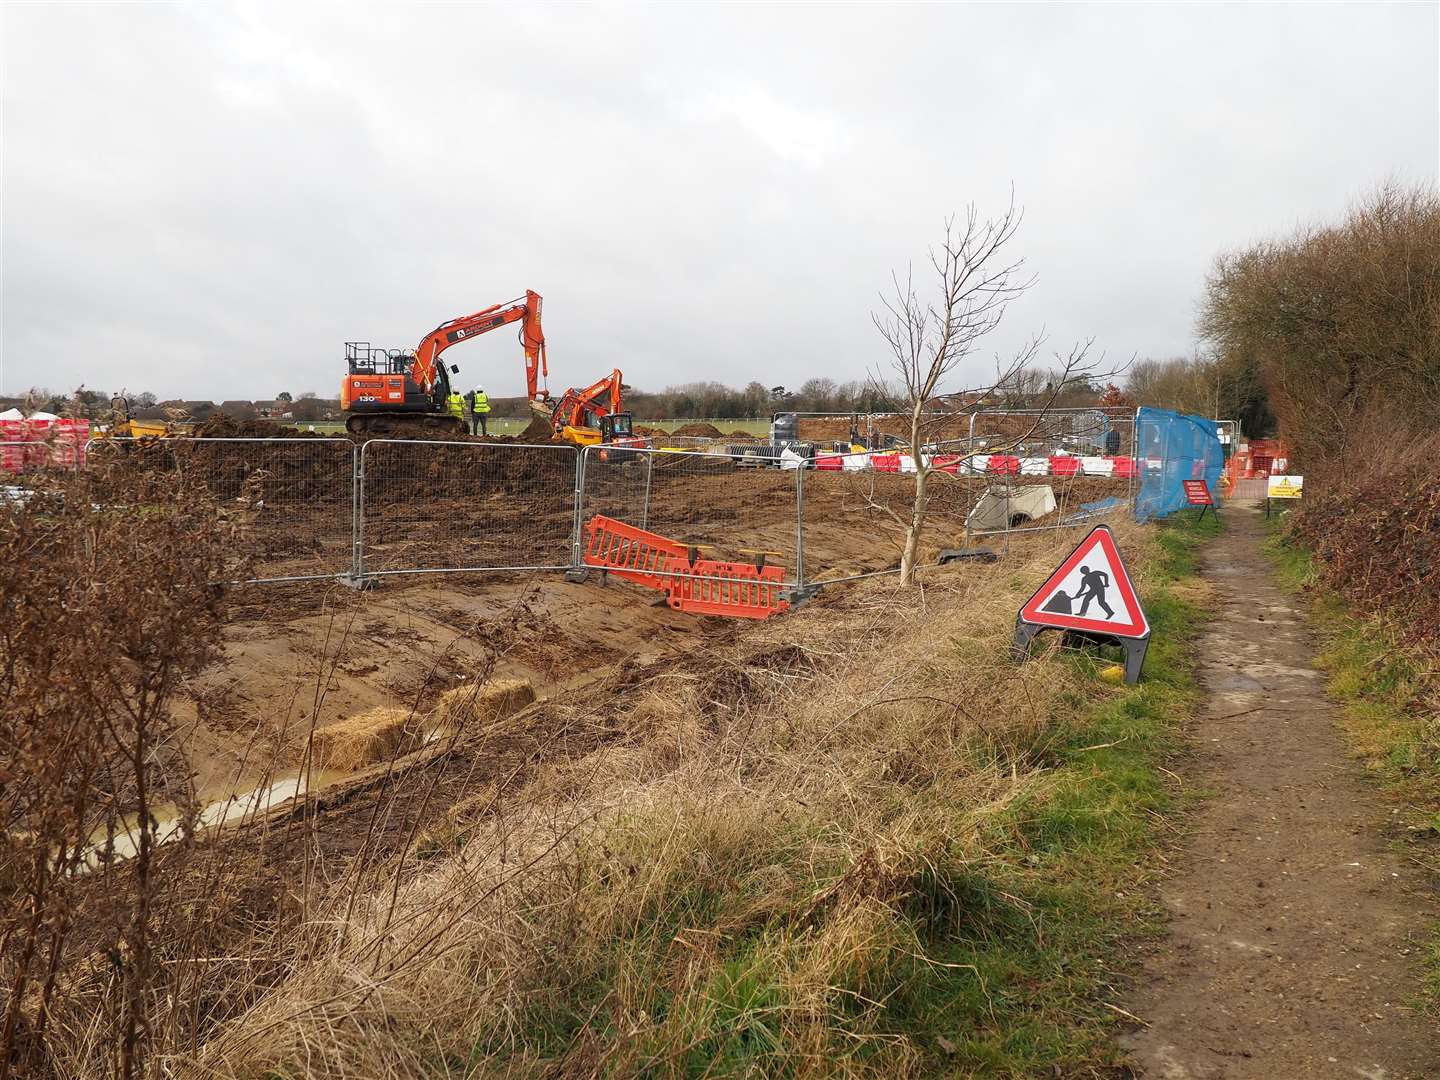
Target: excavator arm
[526, 311]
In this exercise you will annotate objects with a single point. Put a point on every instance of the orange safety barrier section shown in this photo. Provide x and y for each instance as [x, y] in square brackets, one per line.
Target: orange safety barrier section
[716, 591]
[634, 554]
[709, 587]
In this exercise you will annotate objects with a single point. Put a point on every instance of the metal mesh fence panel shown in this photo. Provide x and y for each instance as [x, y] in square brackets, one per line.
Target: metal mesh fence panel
[1051, 468]
[724, 507]
[433, 506]
[291, 500]
[1091, 432]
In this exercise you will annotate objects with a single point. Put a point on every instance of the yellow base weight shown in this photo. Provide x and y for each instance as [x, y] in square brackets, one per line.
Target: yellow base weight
[1114, 673]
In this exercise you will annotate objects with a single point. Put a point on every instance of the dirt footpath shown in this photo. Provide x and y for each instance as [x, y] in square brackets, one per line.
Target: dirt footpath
[1296, 934]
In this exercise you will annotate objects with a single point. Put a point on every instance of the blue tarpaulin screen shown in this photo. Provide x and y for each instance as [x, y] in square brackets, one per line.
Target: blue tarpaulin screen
[1171, 448]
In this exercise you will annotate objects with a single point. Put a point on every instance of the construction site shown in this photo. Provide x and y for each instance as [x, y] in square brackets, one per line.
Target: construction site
[418, 628]
[698, 541]
[404, 651]
[590, 558]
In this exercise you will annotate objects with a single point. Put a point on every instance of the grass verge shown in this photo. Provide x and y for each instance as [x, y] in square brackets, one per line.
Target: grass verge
[1386, 690]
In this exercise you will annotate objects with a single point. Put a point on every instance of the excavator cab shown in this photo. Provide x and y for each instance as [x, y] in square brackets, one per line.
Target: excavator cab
[618, 439]
[616, 426]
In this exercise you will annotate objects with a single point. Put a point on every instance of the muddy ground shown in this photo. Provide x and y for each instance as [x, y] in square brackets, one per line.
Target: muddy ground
[1297, 931]
[431, 505]
[300, 654]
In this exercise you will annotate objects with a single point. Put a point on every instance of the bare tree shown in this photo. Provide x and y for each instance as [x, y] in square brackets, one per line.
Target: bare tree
[930, 339]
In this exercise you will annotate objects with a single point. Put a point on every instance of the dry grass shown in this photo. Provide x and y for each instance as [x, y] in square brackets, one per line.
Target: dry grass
[481, 704]
[725, 885]
[366, 738]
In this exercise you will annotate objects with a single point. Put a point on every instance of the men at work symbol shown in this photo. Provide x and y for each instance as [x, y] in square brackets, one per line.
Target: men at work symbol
[1093, 584]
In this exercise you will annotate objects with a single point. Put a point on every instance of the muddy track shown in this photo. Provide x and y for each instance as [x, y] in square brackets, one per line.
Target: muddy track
[1296, 932]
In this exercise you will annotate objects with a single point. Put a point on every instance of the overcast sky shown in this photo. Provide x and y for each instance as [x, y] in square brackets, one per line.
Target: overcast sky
[207, 200]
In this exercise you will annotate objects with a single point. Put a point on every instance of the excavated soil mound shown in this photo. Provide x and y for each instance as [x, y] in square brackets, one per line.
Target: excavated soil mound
[221, 426]
[537, 431]
[699, 431]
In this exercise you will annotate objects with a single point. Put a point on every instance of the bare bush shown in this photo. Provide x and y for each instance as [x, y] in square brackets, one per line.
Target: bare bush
[106, 581]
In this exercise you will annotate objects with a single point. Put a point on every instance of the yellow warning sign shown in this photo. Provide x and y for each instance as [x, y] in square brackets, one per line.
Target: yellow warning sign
[1284, 487]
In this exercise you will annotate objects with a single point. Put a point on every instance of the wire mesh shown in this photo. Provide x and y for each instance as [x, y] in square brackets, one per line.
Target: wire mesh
[432, 506]
[1174, 448]
[723, 506]
[290, 500]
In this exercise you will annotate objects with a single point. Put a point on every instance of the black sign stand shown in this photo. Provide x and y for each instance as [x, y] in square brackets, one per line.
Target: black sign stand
[1135, 648]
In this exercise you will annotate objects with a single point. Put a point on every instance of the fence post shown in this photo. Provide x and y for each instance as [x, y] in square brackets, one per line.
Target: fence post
[645, 506]
[355, 467]
[800, 525]
[1134, 485]
[356, 578]
[580, 454]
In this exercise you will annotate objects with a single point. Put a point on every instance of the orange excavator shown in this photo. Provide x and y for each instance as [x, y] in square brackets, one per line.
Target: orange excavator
[592, 415]
[387, 391]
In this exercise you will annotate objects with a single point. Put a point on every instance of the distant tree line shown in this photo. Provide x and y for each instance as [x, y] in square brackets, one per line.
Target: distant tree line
[97, 405]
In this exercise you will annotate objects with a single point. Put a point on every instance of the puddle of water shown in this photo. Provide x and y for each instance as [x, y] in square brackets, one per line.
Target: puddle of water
[1236, 682]
[232, 808]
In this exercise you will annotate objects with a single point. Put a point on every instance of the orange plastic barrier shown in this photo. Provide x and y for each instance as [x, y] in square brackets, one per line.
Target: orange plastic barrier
[1125, 467]
[756, 595]
[1064, 465]
[708, 587]
[631, 553]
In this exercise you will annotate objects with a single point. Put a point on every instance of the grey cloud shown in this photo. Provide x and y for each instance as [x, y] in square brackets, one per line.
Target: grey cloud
[207, 201]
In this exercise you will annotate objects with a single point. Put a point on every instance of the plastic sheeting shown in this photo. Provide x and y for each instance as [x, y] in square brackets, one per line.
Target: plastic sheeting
[1173, 448]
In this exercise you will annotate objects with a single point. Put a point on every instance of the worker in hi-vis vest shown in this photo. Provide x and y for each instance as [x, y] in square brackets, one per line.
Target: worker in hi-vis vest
[479, 411]
[455, 406]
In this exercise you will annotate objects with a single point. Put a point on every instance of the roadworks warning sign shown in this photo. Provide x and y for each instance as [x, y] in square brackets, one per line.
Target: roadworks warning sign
[1090, 590]
[1284, 487]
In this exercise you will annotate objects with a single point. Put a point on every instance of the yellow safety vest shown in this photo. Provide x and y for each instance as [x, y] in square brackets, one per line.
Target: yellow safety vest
[456, 405]
[482, 403]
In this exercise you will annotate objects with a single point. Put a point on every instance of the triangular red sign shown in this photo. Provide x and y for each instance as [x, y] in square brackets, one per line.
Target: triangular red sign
[1090, 591]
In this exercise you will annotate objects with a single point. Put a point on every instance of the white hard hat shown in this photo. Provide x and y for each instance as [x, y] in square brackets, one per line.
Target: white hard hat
[479, 389]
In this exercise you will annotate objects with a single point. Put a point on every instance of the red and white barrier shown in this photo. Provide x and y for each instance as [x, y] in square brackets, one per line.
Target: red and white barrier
[893, 461]
[41, 440]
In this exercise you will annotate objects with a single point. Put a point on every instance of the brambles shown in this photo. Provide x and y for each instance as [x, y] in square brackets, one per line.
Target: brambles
[1375, 530]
